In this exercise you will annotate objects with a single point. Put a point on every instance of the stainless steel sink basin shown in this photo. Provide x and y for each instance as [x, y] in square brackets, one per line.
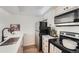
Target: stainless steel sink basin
[10, 41]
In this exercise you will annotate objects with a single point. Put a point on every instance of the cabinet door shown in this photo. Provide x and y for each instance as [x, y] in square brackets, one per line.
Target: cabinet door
[54, 49]
[57, 50]
[44, 44]
[20, 49]
[45, 49]
[51, 48]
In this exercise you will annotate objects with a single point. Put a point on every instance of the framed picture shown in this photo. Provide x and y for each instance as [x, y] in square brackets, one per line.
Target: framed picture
[15, 27]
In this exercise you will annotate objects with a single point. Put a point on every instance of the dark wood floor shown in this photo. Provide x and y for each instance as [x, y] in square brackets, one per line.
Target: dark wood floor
[31, 49]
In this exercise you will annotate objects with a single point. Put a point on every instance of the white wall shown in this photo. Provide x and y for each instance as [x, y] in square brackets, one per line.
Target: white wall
[3, 14]
[50, 16]
[27, 25]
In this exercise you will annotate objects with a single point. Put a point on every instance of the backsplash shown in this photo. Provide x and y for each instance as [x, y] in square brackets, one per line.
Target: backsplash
[69, 29]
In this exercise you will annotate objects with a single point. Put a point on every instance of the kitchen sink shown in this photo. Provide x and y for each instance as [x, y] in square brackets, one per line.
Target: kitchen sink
[10, 41]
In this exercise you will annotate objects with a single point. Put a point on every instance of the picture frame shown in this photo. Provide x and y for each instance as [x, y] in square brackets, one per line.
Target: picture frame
[15, 27]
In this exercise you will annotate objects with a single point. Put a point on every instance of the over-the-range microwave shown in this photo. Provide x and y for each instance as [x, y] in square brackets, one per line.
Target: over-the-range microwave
[69, 17]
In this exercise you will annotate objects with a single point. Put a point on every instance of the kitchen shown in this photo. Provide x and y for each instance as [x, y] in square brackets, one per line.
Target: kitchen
[38, 28]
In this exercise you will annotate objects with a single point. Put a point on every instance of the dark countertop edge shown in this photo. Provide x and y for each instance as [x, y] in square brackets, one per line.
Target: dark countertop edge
[61, 47]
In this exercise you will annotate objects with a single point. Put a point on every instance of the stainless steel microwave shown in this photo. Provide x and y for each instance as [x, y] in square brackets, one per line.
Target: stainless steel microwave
[69, 17]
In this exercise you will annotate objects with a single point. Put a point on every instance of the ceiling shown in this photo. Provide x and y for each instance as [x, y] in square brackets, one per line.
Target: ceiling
[26, 10]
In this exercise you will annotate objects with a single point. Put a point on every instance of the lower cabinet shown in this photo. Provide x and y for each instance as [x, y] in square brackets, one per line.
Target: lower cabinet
[45, 43]
[54, 49]
[45, 46]
[57, 50]
[51, 48]
[20, 49]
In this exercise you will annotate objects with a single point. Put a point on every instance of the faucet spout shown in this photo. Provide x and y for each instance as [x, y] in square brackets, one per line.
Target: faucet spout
[3, 33]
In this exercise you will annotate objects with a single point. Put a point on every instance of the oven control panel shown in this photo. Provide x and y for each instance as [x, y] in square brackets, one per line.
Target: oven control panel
[70, 34]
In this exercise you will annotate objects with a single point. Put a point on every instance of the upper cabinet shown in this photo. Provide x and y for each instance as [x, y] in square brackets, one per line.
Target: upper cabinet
[63, 9]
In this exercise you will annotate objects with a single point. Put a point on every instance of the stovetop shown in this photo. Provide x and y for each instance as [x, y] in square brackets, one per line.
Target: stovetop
[70, 35]
[61, 47]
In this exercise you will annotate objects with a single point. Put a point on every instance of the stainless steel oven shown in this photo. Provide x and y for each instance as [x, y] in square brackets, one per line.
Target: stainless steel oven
[69, 40]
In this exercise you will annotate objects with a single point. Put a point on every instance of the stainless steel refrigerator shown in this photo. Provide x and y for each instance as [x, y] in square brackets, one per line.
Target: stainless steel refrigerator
[40, 28]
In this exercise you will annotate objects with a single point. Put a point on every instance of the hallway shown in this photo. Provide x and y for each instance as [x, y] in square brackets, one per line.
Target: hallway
[30, 49]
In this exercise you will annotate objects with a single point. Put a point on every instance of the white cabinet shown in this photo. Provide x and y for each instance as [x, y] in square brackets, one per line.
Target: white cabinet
[64, 9]
[57, 50]
[20, 49]
[54, 49]
[51, 48]
[45, 39]
[44, 44]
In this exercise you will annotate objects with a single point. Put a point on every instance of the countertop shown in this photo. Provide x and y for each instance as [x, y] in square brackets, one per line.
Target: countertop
[14, 47]
[48, 36]
[56, 43]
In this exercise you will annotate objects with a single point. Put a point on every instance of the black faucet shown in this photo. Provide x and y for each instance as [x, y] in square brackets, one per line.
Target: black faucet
[3, 33]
